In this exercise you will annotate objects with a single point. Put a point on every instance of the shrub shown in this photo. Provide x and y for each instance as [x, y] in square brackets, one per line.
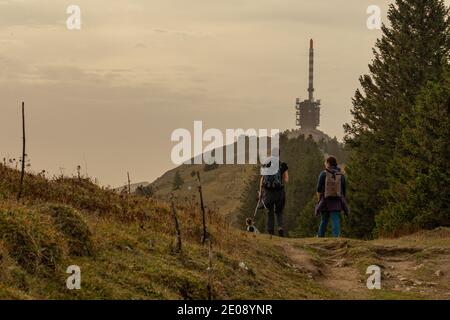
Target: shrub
[70, 222]
[5, 263]
[31, 240]
[210, 167]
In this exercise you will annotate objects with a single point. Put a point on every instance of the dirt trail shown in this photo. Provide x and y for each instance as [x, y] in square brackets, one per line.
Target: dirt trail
[329, 270]
[416, 267]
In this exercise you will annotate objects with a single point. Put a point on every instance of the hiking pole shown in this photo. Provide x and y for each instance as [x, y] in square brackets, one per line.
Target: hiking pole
[256, 211]
[251, 221]
[258, 207]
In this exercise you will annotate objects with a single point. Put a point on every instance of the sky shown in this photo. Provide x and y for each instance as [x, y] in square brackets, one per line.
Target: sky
[108, 96]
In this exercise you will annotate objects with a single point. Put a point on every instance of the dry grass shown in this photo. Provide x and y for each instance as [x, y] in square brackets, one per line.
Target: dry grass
[124, 247]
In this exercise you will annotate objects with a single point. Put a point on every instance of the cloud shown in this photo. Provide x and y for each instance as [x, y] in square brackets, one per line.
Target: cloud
[30, 13]
[139, 68]
[140, 46]
[183, 33]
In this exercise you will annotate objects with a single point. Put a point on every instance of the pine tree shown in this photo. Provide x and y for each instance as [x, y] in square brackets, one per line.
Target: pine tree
[411, 52]
[307, 223]
[177, 181]
[419, 191]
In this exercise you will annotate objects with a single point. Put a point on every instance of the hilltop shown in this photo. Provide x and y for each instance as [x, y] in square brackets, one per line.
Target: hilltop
[225, 185]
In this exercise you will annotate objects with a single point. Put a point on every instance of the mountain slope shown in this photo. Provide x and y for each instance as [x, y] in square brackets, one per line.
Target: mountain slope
[124, 246]
[222, 187]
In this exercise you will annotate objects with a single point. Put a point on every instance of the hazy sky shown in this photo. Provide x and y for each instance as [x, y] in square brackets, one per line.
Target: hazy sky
[111, 94]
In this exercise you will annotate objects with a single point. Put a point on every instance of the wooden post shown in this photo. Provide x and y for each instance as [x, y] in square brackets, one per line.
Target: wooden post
[177, 226]
[22, 175]
[79, 173]
[209, 287]
[129, 183]
[202, 206]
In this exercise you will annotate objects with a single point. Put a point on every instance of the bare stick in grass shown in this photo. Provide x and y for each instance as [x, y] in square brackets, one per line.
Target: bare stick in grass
[209, 287]
[129, 183]
[202, 206]
[79, 173]
[22, 174]
[177, 226]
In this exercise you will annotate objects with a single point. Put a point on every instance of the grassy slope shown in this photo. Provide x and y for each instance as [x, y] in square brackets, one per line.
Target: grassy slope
[126, 252]
[132, 255]
[222, 187]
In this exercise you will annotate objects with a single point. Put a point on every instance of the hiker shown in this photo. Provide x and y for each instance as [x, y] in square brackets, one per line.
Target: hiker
[331, 197]
[272, 193]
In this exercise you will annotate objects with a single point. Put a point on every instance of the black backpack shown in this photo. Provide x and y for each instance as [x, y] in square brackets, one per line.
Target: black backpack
[274, 181]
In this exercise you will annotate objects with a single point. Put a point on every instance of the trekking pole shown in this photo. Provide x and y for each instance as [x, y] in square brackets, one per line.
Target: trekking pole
[256, 211]
[257, 207]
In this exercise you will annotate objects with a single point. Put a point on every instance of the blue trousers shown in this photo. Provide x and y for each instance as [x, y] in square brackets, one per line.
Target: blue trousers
[335, 220]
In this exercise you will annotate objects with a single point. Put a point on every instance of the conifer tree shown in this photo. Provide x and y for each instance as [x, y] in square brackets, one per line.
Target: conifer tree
[177, 181]
[411, 51]
[419, 193]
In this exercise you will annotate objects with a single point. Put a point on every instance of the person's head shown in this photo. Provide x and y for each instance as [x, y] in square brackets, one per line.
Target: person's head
[331, 162]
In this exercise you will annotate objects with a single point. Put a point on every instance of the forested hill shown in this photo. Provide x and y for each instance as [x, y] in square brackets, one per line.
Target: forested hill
[231, 189]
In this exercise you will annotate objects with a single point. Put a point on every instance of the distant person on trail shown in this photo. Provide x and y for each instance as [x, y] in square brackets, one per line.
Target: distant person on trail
[331, 197]
[272, 193]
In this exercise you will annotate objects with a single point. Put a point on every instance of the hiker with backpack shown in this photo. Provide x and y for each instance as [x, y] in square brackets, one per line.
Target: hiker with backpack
[274, 176]
[331, 187]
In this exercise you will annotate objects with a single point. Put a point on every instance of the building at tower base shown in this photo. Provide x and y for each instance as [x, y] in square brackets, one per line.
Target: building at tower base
[308, 114]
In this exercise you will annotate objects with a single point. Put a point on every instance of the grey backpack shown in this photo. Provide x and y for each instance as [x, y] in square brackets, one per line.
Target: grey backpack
[333, 184]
